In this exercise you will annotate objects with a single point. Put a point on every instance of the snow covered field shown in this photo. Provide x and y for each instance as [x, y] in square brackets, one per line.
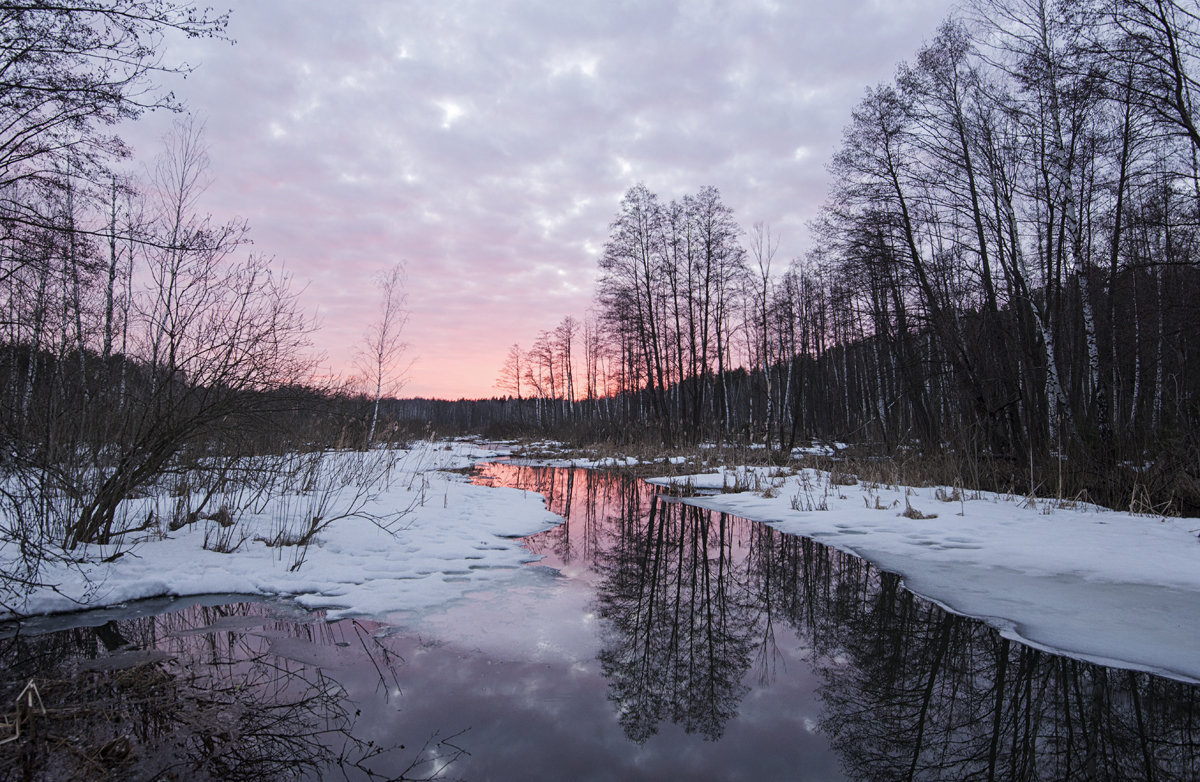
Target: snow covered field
[1105, 586]
[457, 538]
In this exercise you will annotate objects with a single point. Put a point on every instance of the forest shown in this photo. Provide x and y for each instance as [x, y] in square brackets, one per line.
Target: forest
[1002, 278]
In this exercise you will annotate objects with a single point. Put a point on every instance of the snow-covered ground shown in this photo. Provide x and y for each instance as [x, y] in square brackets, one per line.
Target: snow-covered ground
[456, 539]
[1106, 586]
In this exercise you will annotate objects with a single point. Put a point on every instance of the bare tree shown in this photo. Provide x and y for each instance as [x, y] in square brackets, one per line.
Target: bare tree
[763, 247]
[510, 374]
[564, 335]
[70, 70]
[1157, 43]
[215, 336]
[383, 348]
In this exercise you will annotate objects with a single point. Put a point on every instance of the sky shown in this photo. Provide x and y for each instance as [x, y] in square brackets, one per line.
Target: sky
[486, 145]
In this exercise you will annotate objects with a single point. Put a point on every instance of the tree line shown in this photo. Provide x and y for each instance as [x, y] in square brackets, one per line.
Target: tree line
[1005, 270]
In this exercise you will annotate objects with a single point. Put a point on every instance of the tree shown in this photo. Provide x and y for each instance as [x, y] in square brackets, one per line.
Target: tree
[631, 289]
[763, 247]
[72, 69]
[1156, 42]
[510, 374]
[564, 336]
[383, 348]
[215, 337]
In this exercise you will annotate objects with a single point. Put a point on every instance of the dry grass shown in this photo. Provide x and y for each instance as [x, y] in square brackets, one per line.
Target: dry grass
[953, 495]
[912, 513]
[1160, 489]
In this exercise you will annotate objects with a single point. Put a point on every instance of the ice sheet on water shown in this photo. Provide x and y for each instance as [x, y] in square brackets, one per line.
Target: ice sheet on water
[1106, 586]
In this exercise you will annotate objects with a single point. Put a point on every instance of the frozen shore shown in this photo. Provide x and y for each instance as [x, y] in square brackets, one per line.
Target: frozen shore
[455, 538]
[1105, 586]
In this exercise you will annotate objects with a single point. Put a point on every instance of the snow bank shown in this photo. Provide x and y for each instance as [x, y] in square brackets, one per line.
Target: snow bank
[458, 538]
[1109, 587]
[1100, 585]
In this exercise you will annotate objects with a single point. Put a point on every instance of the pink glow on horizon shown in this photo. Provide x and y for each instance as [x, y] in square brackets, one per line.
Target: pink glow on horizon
[488, 145]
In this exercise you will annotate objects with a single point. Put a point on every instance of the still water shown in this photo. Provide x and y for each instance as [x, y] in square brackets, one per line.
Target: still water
[654, 641]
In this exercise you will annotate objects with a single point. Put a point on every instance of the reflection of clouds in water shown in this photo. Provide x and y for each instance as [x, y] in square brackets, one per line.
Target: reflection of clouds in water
[846, 667]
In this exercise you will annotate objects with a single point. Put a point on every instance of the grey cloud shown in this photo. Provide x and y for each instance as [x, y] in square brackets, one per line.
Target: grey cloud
[332, 127]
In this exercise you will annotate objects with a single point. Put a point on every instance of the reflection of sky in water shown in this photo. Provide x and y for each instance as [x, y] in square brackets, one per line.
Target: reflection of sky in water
[844, 675]
[552, 720]
[520, 669]
[517, 670]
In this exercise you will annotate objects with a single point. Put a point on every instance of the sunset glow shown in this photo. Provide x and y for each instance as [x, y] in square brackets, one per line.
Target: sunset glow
[487, 145]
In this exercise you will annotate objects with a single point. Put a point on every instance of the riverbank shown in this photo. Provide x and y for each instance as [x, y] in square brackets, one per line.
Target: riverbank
[452, 538]
[1110, 587]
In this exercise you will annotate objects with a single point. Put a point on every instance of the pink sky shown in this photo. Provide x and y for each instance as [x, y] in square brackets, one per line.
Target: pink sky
[487, 144]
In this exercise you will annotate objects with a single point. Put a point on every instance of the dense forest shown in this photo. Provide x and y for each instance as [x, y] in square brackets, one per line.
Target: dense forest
[1004, 274]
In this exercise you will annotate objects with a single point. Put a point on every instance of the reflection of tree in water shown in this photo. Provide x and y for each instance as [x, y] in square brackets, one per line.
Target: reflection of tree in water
[590, 502]
[913, 692]
[677, 639]
[175, 697]
[690, 600]
[677, 623]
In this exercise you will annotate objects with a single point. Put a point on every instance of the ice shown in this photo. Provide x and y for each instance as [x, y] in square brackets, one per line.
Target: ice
[1106, 586]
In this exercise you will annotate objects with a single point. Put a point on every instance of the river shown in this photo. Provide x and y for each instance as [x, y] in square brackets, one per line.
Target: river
[659, 641]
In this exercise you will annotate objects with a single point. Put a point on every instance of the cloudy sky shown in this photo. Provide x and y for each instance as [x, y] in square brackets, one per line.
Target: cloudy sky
[487, 143]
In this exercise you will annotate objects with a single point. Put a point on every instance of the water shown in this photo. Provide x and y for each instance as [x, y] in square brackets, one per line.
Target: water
[653, 641]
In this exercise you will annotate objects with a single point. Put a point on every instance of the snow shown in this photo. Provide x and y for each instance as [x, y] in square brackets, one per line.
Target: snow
[1106, 586]
[599, 463]
[457, 539]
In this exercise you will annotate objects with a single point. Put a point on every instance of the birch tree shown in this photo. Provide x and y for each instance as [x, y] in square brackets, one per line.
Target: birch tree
[381, 357]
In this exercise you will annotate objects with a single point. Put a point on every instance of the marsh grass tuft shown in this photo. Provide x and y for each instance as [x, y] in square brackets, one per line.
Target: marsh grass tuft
[806, 499]
[948, 496]
[912, 513]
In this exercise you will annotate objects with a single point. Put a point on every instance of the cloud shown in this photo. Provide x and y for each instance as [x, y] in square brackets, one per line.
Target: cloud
[488, 144]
